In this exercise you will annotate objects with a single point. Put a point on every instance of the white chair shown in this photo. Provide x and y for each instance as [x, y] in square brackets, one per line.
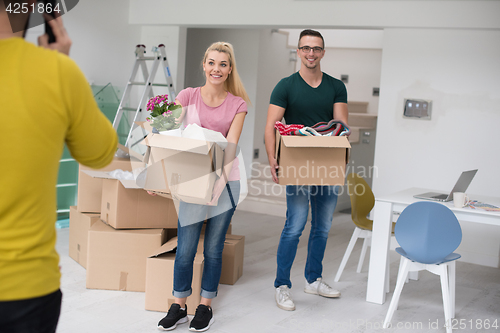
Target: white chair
[428, 233]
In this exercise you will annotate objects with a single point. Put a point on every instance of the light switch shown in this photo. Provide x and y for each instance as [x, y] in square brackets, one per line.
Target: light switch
[417, 108]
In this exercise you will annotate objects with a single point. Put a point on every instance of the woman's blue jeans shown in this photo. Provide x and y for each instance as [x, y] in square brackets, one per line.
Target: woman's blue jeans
[215, 235]
[323, 200]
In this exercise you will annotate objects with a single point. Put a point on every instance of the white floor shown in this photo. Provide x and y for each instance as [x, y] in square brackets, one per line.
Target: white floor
[249, 306]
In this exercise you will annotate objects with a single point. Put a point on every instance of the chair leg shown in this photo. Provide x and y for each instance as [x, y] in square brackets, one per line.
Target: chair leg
[403, 272]
[352, 242]
[401, 261]
[451, 274]
[363, 253]
[443, 273]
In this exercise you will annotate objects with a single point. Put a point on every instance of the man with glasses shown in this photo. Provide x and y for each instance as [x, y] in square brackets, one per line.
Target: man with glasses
[307, 97]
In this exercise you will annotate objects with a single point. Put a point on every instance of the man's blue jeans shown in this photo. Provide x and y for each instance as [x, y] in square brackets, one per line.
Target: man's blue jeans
[323, 200]
[215, 235]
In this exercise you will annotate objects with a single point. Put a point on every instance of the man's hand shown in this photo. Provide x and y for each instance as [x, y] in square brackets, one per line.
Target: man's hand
[274, 168]
[62, 43]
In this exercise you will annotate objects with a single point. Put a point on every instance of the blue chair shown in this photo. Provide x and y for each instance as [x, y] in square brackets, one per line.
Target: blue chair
[428, 233]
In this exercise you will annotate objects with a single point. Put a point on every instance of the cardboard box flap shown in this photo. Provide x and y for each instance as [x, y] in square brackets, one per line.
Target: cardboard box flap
[233, 238]
[103, 227]
[127, 183]
[97, 174]
[177, 143]
[145, 125]
[160, 193]
[316, 141]
[133, 154]
[165, 248]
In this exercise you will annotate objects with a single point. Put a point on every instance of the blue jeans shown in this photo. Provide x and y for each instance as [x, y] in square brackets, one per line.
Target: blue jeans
[323, 200]
[215, 235]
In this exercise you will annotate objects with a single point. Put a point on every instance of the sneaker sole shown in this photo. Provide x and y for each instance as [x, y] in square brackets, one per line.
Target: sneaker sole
[284, 307]
[314, 292]
[192, 329]
[180, 321]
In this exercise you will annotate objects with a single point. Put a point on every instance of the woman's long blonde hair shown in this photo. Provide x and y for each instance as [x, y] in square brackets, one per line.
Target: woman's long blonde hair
[233, 82]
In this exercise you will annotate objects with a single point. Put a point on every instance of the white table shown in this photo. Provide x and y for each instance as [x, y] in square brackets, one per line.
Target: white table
[384, 208]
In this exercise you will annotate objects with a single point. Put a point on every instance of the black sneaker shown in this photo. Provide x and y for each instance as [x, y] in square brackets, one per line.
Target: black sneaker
[202, 320]
[174, 316]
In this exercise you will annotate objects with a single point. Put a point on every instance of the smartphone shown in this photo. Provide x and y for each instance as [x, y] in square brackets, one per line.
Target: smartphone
[50, 6]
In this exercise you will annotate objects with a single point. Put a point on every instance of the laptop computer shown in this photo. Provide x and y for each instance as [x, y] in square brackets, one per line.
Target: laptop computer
[461, 186]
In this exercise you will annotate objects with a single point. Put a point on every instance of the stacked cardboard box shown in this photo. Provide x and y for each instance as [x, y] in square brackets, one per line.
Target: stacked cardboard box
[117, 258]
[117, 229]
[90, 189]
[160, 266]
[78, 234]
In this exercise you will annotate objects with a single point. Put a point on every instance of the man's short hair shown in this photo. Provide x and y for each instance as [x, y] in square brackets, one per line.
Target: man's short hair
[309, 32]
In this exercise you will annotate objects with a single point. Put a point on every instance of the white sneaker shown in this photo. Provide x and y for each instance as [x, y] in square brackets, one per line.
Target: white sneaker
[284, 298]
[319, 287]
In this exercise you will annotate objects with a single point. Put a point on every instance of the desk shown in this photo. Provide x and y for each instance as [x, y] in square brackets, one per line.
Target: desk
[385, 206]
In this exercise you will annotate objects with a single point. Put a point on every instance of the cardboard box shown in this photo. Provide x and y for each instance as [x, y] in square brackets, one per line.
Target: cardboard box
[79, 225]
[232, 259]
[186, 168]
[125, 205]
[311, 160]
[89, 189]
[117, 258]
[160, 279]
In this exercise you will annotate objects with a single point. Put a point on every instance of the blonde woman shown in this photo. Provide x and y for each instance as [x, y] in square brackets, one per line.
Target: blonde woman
[219, 105]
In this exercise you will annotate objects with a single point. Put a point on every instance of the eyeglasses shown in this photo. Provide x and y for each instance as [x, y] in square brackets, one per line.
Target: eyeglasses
[307, 49]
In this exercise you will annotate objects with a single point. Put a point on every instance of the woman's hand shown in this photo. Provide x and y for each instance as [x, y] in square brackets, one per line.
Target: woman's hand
[217, 191]
[151, 193]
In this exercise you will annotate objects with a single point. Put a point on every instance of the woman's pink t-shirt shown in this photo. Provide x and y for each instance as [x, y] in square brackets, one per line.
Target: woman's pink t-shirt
[217, 118]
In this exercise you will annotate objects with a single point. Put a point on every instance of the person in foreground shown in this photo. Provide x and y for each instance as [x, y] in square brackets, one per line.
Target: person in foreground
[45, 101]
[307, 97]
[219, 105]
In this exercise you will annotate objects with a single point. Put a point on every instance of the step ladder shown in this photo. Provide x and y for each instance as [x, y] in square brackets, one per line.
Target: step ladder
[159, 58]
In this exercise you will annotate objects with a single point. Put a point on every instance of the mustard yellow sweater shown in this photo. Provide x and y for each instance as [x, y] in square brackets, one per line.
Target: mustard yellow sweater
[45, 101]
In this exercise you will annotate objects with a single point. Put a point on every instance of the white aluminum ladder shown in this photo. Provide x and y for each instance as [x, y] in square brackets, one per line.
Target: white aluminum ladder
[160, 57]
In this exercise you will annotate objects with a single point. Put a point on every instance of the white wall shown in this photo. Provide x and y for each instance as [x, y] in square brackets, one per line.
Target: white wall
[459, 71]
[174, 39]
[363, 67]
[343, 38]
[103, 40]
[274, 64]
[320, 14]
